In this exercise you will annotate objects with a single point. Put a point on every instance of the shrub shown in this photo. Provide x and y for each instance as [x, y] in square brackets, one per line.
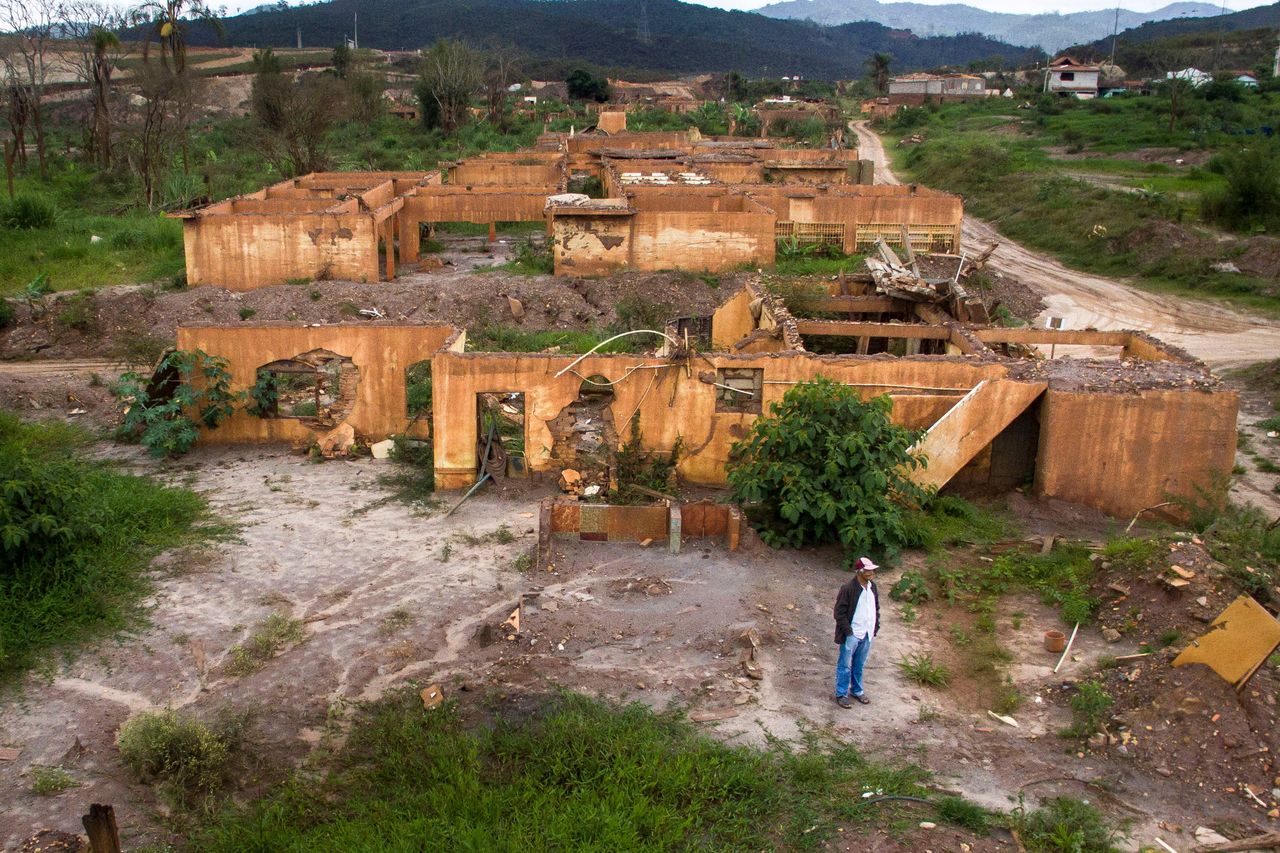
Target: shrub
[75, 538]
[78, 313]
[1064, 825]
[637, 467]
[189, 390]
[6, 312]
[273, 635]
[1088, 707]
[532, 258]
[921, 668]
[186, 758]
[28, 213]
[824, 466]
[51, 780]
[911, 588]
[1251, 196]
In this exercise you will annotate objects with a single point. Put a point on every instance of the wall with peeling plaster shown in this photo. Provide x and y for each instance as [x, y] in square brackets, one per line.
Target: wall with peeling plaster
[1125, 452]
[381, 353]
[242, 252]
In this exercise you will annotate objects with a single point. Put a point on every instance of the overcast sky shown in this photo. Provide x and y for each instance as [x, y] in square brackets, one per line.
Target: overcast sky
[1023, 6]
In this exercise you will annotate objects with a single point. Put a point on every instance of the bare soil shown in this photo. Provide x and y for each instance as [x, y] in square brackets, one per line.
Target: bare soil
[1218, 335]
[388, 597]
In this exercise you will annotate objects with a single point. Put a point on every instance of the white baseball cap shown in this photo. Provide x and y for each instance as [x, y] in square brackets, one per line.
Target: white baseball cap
[864, 564]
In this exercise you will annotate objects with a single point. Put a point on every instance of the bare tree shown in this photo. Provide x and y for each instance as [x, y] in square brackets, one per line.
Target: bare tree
[154, 125]
[25, 56]
[501, 70]
[451, 73]
[91, 27]
[295, 117]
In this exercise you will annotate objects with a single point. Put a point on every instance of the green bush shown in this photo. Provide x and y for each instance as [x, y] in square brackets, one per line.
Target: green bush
[1088, 708]
[75, 540]
[921, 668]
[165, 412]
[1065, 825]
[6, 312]
[1251, 196]
[824, 466]
[187, 759]
[911, 588]
[28, 213]
[637, 467]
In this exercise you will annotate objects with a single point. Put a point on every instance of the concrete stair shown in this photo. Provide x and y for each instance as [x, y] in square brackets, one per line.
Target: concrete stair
[970, 425]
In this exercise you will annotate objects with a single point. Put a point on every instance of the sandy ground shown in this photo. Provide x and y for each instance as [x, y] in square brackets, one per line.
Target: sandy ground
[389, 597]
[1213, 333]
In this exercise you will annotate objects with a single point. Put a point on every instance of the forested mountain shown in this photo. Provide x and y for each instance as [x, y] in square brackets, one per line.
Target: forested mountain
[682, 37]
[1050, 31]
[1249, 19]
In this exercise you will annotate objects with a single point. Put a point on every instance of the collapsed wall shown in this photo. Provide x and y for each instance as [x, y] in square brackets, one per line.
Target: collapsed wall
[1122, 435]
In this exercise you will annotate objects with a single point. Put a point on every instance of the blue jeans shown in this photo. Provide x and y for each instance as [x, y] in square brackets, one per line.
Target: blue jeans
[853, 656]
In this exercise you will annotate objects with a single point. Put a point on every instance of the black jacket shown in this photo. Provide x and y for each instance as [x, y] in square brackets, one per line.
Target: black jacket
[847, 602]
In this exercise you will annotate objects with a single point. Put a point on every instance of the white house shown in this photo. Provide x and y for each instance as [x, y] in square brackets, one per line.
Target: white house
[1194, 76]
[1068, 76]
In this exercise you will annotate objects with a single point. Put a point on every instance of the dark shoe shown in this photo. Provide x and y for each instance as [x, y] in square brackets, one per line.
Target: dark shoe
[843, 702]
[863, 700]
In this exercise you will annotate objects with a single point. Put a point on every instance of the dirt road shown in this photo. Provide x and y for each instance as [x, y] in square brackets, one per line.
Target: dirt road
[1217, 335]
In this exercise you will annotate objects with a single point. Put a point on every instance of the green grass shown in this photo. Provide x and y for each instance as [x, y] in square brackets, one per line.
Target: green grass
[136, 246]
[1089, 706]
[1066, 825]
[276, 633]
[46, 781]
[186, 759]
[76, 538]
[516, 339]
[921, 668]
[571, 773]
[950, 521]
[1008, 177]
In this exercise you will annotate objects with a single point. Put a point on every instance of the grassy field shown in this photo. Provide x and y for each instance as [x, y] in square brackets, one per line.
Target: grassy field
[1081, 179]
[570, 773]
[76, 537]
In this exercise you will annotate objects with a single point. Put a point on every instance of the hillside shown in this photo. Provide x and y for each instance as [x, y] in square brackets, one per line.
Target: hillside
[1241, 40]
[1249, 19]
[683, 37]
[1049, 31]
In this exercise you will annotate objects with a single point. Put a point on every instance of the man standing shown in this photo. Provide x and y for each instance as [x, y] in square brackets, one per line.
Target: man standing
[857, 615]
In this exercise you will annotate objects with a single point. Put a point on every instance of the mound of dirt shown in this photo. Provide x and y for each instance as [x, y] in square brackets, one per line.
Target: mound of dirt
[1261, 257]
[132, 323]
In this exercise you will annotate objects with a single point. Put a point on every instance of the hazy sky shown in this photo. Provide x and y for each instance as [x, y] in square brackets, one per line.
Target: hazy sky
[1022, 6]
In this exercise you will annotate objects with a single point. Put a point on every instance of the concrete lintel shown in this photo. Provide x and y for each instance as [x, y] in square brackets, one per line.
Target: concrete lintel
[872, 330]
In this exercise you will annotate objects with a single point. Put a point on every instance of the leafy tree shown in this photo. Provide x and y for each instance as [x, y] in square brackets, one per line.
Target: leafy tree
[450, 74]
[342, 59]
[1251, 195]
[296, 117]
[169, 21]
[585, 86]
[825, 466]
[189, 390]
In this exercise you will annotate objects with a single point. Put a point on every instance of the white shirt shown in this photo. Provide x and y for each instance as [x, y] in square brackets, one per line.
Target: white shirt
[864, 615]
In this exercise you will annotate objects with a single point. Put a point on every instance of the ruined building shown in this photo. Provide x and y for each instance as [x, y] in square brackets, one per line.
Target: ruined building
[673, 200]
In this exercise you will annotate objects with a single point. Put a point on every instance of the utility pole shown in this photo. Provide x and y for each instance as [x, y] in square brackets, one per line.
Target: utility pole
[299, 38]
[355, 30]
[1115, 29]
[642, 30]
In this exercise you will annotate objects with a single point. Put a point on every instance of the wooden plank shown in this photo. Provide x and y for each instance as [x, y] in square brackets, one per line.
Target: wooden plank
[871, 330]
[859, 304]
[1052, 336]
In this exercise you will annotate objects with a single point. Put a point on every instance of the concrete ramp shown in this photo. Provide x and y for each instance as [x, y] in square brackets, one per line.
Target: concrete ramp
[970, 425]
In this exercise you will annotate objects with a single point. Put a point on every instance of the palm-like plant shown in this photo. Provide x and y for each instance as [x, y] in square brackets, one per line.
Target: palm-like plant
[878, 71]
[169, 20]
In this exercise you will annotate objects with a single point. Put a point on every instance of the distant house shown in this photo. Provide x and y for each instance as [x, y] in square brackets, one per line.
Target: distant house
[917, 88]
[1194, 76]
[1247, 80]
[1067, 76]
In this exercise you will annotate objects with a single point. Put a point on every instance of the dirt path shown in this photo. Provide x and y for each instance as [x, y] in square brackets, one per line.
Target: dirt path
[1217, 335]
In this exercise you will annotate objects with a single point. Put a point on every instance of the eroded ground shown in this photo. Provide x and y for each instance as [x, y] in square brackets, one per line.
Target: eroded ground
[387, 597]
